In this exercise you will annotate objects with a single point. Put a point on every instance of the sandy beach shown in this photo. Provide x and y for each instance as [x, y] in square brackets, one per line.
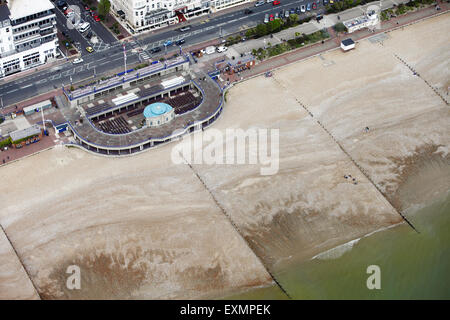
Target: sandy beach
[145, 228]
[137, 227]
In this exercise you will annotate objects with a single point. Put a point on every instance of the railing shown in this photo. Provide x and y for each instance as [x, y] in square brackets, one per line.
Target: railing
[115, 81]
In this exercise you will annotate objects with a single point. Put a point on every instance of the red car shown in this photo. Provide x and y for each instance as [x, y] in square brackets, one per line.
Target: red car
[314, 6]
[96, 18]
[276, 2]
[271, 17]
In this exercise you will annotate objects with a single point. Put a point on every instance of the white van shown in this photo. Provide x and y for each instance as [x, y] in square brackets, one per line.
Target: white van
[84, 27]
[210, 50]
[266, 18]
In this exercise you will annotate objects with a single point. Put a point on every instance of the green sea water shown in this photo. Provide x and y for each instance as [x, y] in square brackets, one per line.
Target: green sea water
[413, 265]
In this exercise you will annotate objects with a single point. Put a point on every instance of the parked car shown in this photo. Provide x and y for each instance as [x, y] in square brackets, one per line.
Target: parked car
[222, 49]
[303, 8]
[259, 3]
[308, 7]
[276, 2]
[314, 6]
[61, 3]
[292, 11]
[89, 49]
[325, 2]
[266, 18]
[155, 50]
[180, 42]
[286, 14]
[77, 61]
[297, 10]
[271, 17]
[168, 43]
[96, 17]
[277, 15]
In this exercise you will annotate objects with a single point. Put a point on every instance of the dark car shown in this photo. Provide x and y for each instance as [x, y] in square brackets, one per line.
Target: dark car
[292, 11]
[61, 3]
[248, 11]
[155, 50]
[297, 10]
[180, 42]
[89, 34]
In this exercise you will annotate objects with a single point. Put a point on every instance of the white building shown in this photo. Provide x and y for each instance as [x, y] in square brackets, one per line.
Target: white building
[143, 15]
[347, 44]
[27, 34]
[370, 20]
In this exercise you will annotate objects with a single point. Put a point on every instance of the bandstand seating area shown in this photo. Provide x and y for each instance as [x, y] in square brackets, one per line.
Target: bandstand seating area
[116, 125]
[183, 102]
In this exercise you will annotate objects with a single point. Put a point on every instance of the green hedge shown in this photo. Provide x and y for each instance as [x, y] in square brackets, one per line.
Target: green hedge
[291, 44]
[5, 143]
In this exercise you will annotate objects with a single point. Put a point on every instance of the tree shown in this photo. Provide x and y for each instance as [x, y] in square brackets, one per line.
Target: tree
[261, 30]
[293, 19]
[340, 27]
[103, 7]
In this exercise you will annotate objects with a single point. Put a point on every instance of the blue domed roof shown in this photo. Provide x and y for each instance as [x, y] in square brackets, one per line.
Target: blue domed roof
[156, 109]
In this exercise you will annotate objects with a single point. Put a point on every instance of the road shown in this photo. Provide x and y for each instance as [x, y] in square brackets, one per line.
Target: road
[110, 56]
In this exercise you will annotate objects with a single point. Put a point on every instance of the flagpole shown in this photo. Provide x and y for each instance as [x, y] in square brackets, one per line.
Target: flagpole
[125, 58]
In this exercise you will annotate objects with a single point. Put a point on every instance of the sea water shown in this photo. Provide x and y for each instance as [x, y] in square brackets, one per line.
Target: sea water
[412, 265]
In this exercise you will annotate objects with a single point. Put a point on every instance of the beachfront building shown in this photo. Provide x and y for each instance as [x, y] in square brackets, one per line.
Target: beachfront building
[20, 138]
[158, 113]
[370, 20]
[347, 44]
[141, 15]
[27, 34]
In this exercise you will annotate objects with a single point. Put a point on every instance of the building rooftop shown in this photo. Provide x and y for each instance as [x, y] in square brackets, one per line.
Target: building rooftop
[25, 133]
[347, 42]
[156, 109]
[4, 12]
[23, 8]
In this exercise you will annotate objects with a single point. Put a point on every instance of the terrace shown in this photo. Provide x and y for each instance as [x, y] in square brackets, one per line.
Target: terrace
[203, 110]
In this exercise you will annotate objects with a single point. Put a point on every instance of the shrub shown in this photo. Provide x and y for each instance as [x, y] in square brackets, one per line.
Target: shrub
[340, 27]
[5, 143]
